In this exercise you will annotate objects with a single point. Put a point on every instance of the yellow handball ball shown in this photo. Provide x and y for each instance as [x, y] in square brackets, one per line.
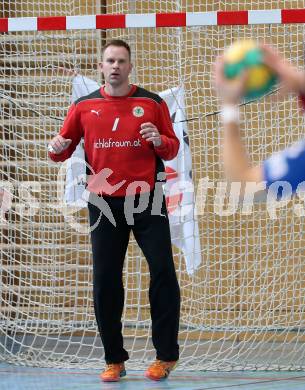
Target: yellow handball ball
[246, 55]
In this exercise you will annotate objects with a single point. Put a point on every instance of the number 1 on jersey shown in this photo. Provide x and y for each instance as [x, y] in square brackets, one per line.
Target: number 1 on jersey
[115, 125]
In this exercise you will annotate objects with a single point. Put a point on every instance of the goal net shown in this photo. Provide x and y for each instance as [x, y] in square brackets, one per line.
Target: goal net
[243, 307]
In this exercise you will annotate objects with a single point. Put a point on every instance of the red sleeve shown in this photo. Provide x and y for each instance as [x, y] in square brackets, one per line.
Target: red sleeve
[71, 129]
[302, 101]
[170, 143]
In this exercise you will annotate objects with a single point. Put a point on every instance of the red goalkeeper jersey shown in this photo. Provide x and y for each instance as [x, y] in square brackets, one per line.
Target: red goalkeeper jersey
[115, 150]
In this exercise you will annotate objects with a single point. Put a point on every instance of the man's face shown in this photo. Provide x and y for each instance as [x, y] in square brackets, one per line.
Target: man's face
[116, 65]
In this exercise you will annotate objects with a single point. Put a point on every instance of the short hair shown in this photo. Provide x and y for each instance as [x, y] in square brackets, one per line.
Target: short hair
[118, 43]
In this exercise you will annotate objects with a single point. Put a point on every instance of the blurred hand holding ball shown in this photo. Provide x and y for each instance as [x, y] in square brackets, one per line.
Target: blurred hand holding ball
[247, 56]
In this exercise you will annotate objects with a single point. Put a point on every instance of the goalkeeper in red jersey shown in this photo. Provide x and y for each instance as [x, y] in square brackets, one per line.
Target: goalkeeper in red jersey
[127, 132]
[286, 166]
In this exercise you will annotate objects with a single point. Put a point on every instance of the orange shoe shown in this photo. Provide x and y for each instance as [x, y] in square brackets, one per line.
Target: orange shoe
[113, 372]
[159, 370]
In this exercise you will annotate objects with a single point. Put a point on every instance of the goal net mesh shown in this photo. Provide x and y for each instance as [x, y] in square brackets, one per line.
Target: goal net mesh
[243, 308]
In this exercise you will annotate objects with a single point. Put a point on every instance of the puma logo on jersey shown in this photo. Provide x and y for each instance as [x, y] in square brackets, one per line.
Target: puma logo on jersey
[96, 112]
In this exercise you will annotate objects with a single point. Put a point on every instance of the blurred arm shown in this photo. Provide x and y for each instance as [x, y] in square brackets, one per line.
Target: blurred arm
[237, 164]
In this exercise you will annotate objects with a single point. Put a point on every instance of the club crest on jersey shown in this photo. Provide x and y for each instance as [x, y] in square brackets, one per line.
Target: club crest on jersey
[138, 111]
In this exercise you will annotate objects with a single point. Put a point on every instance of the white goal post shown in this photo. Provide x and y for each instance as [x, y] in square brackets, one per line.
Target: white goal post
[243, 308]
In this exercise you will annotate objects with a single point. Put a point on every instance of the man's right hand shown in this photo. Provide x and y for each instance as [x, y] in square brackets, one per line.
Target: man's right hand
[292, 79]
[58, 144]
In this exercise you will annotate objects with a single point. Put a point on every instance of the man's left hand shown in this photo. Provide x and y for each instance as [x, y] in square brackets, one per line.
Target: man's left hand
[229, 91]
[150, 132]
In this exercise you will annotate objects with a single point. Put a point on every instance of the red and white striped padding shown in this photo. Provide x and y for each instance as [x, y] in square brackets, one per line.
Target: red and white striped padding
[178, 19]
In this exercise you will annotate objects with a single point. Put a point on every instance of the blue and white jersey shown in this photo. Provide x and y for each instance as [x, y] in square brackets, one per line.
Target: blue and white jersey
[287, 165]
